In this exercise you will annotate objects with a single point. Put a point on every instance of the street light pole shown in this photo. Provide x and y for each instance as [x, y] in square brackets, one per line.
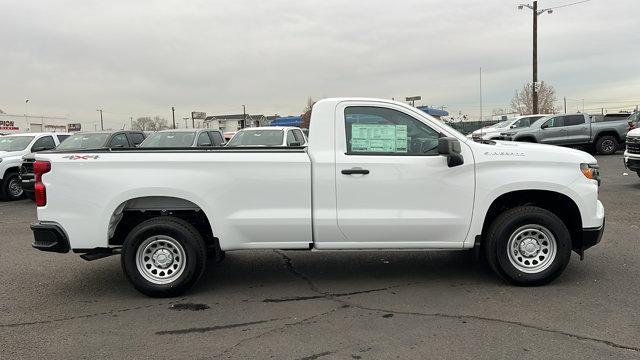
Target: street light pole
[173, 115]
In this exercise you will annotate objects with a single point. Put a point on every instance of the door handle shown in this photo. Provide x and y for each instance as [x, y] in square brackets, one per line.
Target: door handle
[355, 171]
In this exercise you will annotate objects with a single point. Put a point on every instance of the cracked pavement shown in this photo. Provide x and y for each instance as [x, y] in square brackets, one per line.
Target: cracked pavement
[328, 305]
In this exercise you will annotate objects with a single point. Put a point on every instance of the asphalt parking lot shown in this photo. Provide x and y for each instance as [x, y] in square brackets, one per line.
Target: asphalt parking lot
[335, 305]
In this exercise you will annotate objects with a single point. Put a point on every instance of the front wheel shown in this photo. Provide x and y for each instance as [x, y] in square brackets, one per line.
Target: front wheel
[12, 187]
[163, 256]
[528, 246]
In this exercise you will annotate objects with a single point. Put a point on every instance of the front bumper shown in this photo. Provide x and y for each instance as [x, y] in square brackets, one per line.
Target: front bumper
[49, 237]
[588, 238]
[632, 164]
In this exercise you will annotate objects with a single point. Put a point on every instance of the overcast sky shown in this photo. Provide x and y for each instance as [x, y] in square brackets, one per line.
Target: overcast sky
[137, 58]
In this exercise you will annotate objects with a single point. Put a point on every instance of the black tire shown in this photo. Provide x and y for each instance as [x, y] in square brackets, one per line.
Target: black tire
[607, 145]
[193, 247]
[10, 180]
[511, 221]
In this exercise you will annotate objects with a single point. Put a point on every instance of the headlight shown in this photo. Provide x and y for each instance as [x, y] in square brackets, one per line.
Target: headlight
[591, 171]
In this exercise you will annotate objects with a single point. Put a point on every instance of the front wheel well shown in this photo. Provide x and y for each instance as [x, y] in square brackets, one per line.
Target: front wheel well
[559, 204]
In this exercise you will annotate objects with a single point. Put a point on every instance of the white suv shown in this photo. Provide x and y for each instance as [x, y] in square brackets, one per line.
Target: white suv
[12, 148]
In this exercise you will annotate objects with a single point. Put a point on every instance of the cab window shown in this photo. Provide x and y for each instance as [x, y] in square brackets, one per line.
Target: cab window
[119, 140]
[557, 121]
[203, 139]
[44, 143]
[381, 131]
[291, 138]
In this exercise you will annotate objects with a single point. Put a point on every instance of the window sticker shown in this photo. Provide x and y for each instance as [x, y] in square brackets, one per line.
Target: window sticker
[378, 138]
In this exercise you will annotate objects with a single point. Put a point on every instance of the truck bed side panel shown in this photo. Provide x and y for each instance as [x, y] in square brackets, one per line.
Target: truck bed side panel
[252, 199]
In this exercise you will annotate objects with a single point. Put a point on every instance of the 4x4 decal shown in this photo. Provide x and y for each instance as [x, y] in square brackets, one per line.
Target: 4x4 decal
[81, 157]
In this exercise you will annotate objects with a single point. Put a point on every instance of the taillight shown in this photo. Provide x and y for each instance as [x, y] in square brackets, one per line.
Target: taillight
[39, 168]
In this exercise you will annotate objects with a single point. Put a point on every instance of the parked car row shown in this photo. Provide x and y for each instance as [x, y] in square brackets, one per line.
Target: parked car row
[17, 152]
[578, 130]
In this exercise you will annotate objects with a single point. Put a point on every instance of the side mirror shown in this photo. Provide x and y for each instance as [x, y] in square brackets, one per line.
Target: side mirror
[544, 126]
[294, 144]
[513, 126]
[450, 147]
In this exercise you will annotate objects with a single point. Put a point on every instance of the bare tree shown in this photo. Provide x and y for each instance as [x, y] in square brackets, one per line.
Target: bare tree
[306, 116]
[148, 124]
[522, 102]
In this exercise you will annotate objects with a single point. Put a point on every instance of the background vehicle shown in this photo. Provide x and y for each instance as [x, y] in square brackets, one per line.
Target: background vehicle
[184, 138]
[81, 141]
[228, 135]
[12, 149]
[377, 174]
[269, 136]
[634, 120]
[493, 132]
[573, 129]
[632, 152]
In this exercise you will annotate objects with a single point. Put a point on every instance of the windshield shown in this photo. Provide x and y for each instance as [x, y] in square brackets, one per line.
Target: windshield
[501, 124]
[84, 141]
[257, 138]
[14, 143]
[170, 139]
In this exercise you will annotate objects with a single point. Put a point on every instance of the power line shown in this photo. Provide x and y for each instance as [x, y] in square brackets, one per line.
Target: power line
[561, 6]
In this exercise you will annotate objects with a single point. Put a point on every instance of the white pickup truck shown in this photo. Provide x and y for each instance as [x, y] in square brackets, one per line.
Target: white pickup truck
[376, 174]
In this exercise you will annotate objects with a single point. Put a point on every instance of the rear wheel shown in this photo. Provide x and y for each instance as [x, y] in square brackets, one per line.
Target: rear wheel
[528, 245]
[163, 256]
[607, 145]
[11, 187]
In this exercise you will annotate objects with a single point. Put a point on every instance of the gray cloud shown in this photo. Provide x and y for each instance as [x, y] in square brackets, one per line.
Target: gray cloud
[140, 58]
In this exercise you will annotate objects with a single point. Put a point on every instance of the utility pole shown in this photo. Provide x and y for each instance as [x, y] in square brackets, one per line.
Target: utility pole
[535, 57]
[536, 13]
[173, 115]
[243, 124]
[101, 122]
[565, 105]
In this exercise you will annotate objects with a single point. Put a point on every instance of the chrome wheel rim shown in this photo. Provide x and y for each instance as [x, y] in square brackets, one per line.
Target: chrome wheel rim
[532, 248]
[608, 146]
[160, 259]
[15, 188]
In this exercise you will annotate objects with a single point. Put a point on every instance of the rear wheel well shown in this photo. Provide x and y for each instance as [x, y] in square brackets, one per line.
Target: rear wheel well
[559, 204]
[607, 133]
[133, 212]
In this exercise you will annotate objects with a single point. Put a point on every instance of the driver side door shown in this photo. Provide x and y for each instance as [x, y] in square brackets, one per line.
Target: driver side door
[392, 188]
[554, 132]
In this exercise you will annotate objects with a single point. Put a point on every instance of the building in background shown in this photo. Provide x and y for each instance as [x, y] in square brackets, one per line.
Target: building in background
[436, 113]
[11, 124]
[233, 122]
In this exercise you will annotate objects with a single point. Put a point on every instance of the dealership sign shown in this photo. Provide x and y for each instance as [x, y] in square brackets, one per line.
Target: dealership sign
[8, 125]
[198, 115]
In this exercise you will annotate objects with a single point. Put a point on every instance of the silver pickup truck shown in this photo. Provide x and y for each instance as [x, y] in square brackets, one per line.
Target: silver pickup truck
[573, 129]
